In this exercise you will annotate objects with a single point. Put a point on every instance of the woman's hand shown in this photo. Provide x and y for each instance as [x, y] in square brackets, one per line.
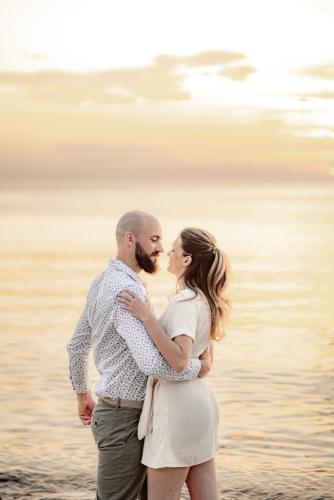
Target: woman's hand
[133, 303]
[206, 359]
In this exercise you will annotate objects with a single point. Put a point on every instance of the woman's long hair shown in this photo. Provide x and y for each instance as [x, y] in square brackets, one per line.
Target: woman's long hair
[209, 272]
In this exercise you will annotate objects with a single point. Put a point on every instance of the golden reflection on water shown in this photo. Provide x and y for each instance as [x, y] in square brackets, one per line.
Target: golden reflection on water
[273, 373]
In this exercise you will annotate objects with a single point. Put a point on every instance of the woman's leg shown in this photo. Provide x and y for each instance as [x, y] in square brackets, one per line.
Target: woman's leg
[202, 481]
[166, 483]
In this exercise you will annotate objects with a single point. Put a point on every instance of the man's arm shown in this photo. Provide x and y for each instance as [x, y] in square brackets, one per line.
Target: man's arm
[78, 351]
[144, 352]
[176, 347]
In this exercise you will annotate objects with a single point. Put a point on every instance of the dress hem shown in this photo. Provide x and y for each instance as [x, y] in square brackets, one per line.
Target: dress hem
[201, 461]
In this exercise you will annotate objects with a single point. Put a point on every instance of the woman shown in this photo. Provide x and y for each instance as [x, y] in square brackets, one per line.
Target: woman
[180, 420]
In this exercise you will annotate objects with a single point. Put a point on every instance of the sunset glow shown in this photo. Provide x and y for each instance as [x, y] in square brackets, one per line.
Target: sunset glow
[229, 89]
[208, 114]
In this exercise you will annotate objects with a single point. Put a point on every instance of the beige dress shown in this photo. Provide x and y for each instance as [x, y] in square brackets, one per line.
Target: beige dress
[180, 419]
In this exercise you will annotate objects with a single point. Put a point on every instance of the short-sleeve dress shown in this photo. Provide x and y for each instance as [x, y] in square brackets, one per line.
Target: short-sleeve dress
[180, 419]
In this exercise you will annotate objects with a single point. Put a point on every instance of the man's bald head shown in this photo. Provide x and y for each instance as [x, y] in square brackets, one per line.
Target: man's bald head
[133, 222]
[138, 236]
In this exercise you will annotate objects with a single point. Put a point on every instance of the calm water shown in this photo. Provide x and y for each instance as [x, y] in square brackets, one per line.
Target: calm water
[273, 373]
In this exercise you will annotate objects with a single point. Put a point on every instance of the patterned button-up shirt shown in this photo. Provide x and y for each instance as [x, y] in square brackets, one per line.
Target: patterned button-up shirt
[124, 353]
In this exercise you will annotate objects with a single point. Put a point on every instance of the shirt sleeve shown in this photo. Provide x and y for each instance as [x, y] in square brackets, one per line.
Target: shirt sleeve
[147, 356]
[80, 344]
[183, 319]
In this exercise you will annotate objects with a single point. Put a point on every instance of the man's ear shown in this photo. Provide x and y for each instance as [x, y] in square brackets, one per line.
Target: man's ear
[129, 238]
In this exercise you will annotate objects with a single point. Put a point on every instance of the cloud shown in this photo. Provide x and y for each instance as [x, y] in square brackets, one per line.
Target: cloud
[70, 147]
[112, 153]
[161, 81]
[208, 58]
[237, 72]
[326, 94]
[322, 71]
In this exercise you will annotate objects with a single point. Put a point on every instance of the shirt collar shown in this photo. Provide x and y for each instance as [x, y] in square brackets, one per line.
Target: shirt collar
[120, 266]
[183, 294]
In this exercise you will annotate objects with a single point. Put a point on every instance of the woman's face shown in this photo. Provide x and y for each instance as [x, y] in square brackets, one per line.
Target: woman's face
[177, 261]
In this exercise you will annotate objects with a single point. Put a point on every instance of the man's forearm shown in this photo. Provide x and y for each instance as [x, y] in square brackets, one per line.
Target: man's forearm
[78, 352]
[162, 370]
[170, 350]
[78, 365]
[148, 358]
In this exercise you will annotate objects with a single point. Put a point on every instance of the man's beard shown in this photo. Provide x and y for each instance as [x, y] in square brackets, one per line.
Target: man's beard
[144, 260]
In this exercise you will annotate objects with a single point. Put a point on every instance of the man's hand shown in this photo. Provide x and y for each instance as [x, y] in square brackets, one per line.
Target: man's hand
[86, 405]
[206, 362]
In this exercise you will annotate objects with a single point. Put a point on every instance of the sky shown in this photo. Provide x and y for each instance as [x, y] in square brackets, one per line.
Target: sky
[106, 91]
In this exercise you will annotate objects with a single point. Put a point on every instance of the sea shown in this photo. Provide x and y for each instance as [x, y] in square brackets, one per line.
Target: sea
[273, 371]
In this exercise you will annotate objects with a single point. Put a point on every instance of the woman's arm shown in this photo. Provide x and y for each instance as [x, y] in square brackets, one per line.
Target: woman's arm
[177, 351]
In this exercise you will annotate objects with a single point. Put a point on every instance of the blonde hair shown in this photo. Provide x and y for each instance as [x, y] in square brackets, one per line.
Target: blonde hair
[209, 272]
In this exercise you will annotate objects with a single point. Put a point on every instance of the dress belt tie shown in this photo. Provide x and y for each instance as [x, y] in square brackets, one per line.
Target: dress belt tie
[146, 418]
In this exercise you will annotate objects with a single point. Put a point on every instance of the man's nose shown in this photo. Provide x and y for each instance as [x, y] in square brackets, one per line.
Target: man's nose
[160, 247]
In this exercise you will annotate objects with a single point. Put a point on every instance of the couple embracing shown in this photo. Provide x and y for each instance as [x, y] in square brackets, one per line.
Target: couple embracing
[152, 371]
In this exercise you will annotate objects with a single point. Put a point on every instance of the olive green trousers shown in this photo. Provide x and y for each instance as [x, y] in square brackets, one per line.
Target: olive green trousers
[120, 473]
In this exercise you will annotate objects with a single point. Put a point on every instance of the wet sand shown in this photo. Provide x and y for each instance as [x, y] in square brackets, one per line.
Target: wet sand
[18, 485]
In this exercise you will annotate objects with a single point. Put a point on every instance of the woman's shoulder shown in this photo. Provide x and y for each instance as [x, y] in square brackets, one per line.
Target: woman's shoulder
[188, 295]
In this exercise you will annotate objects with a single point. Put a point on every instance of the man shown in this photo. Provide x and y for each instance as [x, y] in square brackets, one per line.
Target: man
[124, 356]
